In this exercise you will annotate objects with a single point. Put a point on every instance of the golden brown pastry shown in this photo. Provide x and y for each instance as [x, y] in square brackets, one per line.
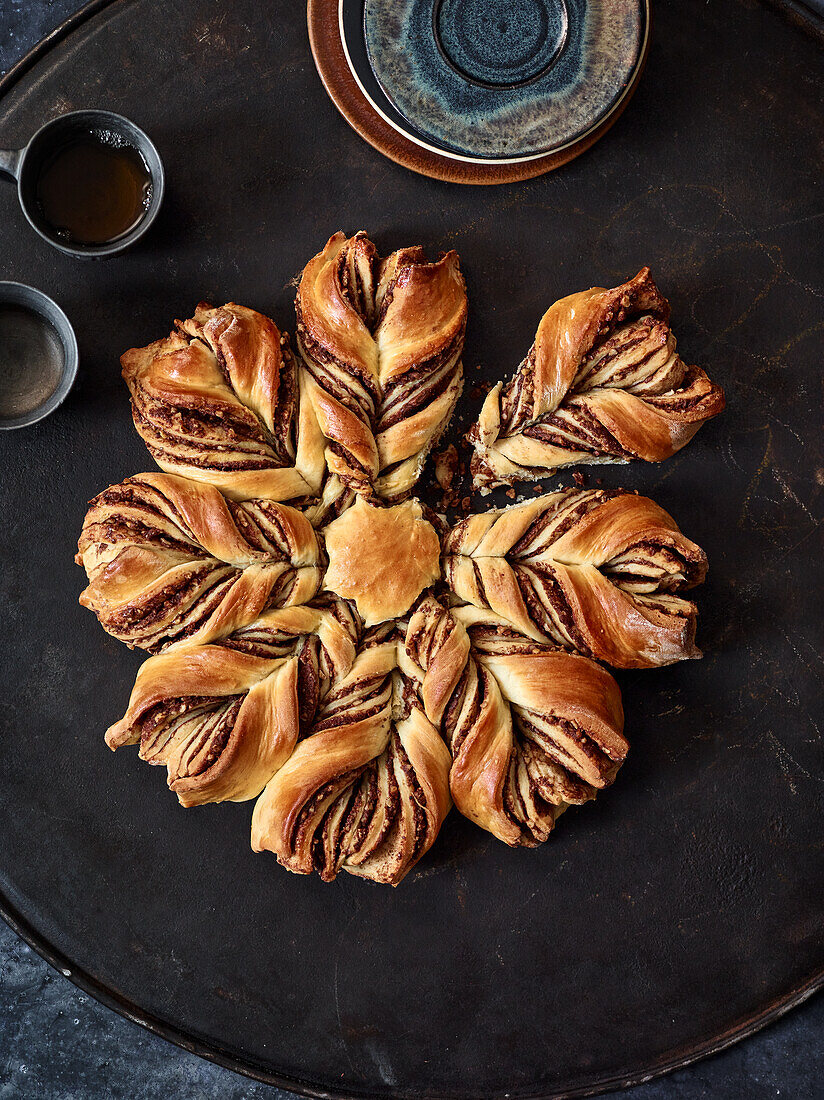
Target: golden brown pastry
[367, 790]
[602, 383]
[382, 341]
[594, 571]
[221, 400]
[532, 730]
[381, 558]
[301, 657]
[169, 560]
[333, 502]
[222, 718]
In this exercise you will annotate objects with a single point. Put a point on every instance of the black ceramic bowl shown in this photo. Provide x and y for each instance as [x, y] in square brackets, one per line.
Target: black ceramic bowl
[38, 355]
[25, 165]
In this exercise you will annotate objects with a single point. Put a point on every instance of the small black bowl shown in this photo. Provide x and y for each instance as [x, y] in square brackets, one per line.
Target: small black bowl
[41, 330]
[24, 165]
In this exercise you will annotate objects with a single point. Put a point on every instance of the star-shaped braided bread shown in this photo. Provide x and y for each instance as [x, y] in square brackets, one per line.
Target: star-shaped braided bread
[323, 642]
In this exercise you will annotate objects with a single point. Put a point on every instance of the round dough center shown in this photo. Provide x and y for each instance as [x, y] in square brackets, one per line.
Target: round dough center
[382, 558]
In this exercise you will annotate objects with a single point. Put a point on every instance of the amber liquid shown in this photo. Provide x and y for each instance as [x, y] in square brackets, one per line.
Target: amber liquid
[94, 190]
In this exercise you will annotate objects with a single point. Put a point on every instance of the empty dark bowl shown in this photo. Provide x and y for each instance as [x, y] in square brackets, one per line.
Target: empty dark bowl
[38, 355]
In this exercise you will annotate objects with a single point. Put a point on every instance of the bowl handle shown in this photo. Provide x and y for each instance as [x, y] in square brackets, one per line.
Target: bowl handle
[10, 162]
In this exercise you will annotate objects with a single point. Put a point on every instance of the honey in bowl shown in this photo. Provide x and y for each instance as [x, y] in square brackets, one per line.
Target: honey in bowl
[94, 190]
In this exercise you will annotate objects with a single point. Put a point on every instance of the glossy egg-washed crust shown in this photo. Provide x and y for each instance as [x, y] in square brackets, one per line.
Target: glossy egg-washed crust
[222, 400]
[382, 341]
[592, 571]
[382, 558]
[171, 560]
[602, 382]
[348, 660]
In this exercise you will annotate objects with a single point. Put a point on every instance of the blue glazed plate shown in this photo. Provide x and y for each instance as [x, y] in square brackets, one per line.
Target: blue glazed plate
[494, 80]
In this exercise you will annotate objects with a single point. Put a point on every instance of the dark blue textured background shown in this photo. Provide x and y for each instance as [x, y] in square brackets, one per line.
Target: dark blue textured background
[56, 1043]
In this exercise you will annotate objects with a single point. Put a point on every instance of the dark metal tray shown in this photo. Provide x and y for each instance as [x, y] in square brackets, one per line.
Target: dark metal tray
[686, 906]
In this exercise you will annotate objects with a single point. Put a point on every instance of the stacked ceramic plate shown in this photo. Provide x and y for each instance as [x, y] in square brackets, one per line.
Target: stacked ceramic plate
[480, 91]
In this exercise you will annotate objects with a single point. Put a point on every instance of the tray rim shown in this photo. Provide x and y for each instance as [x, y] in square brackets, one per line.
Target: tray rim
[211, 1051]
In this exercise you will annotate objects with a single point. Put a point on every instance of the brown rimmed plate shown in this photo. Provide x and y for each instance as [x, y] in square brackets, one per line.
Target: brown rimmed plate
[382, 102]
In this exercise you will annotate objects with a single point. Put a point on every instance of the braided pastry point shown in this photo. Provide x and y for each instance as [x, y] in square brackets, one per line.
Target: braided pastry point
[532, 730]
[367, 790]
[381, 558]
[382, 341]
[602, 382]
[593, 571]
[223, 718]
[221, 400]
[169, 560]
[333, 502]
